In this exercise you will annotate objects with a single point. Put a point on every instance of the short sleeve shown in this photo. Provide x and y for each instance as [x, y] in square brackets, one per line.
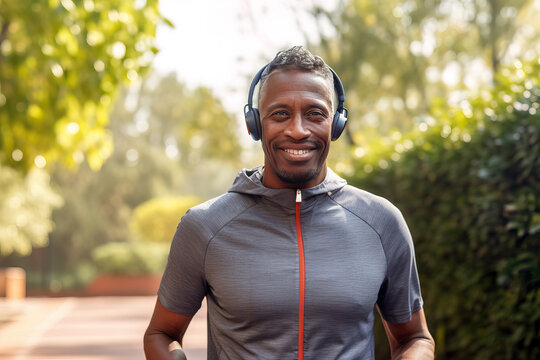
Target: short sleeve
[399, 296]
[183, 285]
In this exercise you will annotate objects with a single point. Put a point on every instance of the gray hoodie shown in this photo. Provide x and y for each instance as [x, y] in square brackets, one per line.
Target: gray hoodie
[285, 272]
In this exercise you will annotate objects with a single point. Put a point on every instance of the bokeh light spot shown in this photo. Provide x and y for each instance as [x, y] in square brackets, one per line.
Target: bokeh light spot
[17, 155]
[40, 161]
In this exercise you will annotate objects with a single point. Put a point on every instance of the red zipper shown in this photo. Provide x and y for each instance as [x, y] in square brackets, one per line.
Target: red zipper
[302, 277]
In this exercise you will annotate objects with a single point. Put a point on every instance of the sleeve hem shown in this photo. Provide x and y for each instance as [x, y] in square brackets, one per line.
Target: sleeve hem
[403, 317]
[176, 309]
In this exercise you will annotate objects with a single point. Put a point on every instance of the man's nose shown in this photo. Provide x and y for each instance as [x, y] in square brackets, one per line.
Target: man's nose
[296, 128]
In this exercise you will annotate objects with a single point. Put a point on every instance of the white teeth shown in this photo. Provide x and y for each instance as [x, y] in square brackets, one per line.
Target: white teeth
[296, 152]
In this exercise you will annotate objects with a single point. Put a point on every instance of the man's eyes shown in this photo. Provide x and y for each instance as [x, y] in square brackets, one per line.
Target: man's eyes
[309, 114]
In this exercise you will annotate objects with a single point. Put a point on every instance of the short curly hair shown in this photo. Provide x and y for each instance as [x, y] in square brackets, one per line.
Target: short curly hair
[298, 58]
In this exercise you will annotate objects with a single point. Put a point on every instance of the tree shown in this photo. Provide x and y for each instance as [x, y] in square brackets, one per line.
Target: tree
[26, 204]
[153, 127]
[188, 124]
[395, 56]
[61, 64]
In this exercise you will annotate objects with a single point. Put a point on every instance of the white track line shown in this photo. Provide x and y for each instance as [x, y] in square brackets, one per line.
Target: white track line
[34, 338]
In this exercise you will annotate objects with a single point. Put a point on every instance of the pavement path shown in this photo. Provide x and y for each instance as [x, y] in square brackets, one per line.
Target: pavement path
[97, 328]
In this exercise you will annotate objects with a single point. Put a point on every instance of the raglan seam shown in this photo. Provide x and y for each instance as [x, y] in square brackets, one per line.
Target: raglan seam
[394, 317]
[400, 316]
[210, 239]
[368, 224]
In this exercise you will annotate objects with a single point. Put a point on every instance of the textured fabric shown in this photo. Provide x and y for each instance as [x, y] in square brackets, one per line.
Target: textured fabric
[240, 251]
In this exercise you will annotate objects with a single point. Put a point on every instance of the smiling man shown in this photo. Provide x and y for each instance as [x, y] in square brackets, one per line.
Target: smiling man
[292, 260]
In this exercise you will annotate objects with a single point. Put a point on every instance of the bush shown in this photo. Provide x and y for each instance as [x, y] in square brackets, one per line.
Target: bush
[156, 219]
[57, 281]
[470, 191]
[131, 258]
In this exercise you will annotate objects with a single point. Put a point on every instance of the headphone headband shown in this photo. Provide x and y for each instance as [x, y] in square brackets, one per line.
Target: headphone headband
[254, 83]
[253, 118]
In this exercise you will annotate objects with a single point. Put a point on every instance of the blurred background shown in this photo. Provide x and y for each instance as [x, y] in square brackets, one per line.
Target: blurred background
[117, 116]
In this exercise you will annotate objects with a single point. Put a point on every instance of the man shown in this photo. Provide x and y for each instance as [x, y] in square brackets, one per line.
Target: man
[292, 260]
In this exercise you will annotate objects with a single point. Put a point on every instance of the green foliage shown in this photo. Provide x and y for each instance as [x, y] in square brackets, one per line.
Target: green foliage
[26, 204]
[98, 205]
[61, 63]
[131, 258]
[191, 125]
[468, 188]
[395, 56]
[146, 123]
[156, 219]
[73, 279]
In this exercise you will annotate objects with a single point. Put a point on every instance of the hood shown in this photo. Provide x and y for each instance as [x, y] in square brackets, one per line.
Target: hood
[248, 181]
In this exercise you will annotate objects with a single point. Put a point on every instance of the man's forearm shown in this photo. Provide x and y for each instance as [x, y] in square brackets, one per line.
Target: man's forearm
[159, 346]
[416, 349]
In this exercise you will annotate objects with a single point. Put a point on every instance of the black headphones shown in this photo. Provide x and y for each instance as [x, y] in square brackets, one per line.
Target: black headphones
[253, 120]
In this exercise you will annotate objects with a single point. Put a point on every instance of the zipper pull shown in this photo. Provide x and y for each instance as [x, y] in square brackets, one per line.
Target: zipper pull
[298, 196]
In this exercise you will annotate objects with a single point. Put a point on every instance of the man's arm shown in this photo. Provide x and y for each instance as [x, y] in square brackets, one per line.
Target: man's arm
[410, 340]
[163, 337]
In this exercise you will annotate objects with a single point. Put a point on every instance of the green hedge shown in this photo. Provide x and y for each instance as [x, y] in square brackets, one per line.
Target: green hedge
[131, 258]
[469, 189]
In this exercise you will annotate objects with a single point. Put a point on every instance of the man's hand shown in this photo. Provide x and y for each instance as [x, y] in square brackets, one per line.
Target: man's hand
[176, 351]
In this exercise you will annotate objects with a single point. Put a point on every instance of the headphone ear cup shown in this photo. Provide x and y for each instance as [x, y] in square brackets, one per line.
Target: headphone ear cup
[253, 119]
[253, 123]
[338, 124]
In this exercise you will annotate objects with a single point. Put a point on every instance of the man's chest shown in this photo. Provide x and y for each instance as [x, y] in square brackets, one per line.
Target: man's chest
[254, 271]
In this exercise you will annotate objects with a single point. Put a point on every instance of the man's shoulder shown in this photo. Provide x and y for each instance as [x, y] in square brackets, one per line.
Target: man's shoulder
[361, 200]
[375, 210]
[217, 212]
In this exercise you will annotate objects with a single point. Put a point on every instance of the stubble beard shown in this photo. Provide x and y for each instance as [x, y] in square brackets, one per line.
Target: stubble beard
[298, 180]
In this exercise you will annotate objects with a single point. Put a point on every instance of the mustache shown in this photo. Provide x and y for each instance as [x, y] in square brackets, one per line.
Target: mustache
[311, 143]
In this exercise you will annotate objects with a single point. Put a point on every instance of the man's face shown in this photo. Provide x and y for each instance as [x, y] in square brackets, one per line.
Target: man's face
[296, 119]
